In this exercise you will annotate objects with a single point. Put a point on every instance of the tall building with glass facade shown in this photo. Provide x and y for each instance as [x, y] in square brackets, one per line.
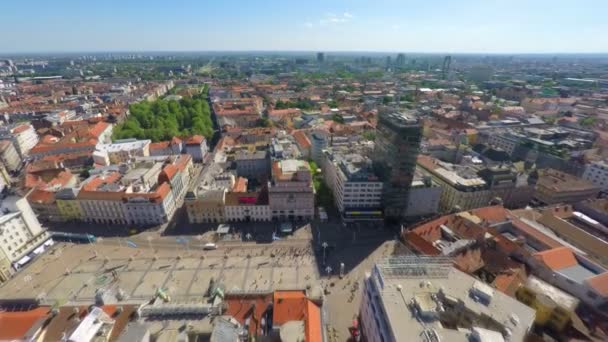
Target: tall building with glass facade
[397, 145]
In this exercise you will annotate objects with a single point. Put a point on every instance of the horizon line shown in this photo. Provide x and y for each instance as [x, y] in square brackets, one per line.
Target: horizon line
[302, 51]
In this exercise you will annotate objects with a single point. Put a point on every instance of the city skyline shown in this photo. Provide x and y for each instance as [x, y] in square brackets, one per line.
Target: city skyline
[471, 26]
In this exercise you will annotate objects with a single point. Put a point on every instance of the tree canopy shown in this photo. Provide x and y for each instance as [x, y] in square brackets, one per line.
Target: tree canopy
[162, 120]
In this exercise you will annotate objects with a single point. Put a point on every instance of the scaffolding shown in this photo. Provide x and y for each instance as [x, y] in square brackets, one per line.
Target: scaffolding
[411, 266]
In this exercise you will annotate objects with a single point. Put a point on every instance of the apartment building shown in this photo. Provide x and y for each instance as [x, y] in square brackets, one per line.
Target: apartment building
[196, 146]
[253, 165]
[290, 191]
[462, 188]
[23, 136]
[21, 235]
[121, 151]
[553, 187]
[597, 173]
[249, 206]
[9, 156]
[144, 193]
[206, 206]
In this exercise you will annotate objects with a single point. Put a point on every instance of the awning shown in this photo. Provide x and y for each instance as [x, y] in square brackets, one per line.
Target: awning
[49, 242]
[223, 229]
[23, 260]
[39, 249]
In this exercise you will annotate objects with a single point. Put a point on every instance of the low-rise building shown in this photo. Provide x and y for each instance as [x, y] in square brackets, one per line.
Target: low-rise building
[573, 273]
[68, 205]
[121, 151]
[290, 192]
[196, 146]
[553, 187]
[206, 206]
[461, 187]
[253, 165]
[424, 298]
[247, 206]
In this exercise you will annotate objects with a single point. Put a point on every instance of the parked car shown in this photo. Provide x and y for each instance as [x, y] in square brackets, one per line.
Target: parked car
[209, 246]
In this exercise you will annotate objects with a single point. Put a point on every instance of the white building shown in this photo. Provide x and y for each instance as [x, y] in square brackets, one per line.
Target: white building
[24, 138]
[122, 151]
[150, 208]
[597, 173]
[247, 207]
[21, 235]
[9, 156]
[412, 298]
[353, 183]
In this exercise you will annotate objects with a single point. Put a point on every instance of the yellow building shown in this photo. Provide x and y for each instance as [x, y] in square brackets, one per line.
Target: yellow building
[554, 308]
[68, 205]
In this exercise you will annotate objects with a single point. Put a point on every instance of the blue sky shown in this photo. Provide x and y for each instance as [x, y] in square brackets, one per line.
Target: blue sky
[487, 26]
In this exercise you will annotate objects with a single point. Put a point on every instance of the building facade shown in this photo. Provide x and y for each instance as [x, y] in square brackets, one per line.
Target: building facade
[24, 137]
[357, 190]
[20, 234]
[597, 173]
[553, 187]
[206, 206]
[9, 156]
[290, 192]
[397, 145]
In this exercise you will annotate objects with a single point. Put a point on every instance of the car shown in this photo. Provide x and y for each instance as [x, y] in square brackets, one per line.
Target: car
[209, 246]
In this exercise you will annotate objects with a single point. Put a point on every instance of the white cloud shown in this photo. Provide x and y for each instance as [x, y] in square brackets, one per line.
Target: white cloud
[308, 24]
[331, 18]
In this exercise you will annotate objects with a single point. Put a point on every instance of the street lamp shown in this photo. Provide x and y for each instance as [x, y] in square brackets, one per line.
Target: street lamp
[324, 245]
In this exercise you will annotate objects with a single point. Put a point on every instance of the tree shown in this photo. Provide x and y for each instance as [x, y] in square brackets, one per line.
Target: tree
[386, 100]
[338, 118]
[588, 122]
[161, 120]
[369, 135]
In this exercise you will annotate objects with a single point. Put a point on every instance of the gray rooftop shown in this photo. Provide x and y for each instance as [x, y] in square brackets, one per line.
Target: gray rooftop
[416, 291]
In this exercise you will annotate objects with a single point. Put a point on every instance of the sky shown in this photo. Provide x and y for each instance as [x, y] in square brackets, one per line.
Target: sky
[442, 26]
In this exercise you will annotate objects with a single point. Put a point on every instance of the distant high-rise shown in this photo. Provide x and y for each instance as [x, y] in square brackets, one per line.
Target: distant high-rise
[320, 57]
[397, 145]
[400, 61]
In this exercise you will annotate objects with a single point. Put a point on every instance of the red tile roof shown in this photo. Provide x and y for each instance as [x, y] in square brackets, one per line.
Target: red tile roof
[301, 139]
[557, 258]
[240, 307]
[289, 306]
[15, 324]
[240, 185]
[195, 140]
[20, 129]
[599, 283]
[170, 171]
[161, 145]
[41, 197]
